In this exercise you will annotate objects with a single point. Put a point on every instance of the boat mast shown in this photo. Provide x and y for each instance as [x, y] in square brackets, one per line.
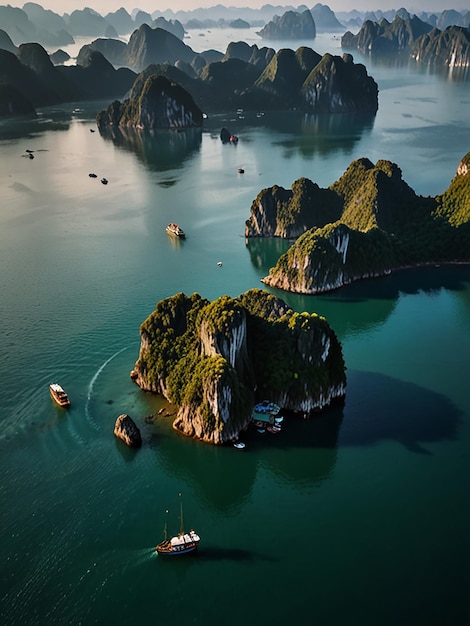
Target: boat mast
[165, 528]
[181, 516]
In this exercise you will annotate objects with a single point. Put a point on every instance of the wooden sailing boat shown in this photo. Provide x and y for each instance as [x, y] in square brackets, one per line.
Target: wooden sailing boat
[182, 543]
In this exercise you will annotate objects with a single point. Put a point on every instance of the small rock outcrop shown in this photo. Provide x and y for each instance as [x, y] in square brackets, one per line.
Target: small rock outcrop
[126, 430]
[161, 104]
[225, 135]
[215, 360]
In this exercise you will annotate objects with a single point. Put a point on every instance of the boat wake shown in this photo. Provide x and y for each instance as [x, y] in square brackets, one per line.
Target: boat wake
[92, 384]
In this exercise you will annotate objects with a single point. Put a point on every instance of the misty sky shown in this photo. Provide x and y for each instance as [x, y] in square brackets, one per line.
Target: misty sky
[107, 6]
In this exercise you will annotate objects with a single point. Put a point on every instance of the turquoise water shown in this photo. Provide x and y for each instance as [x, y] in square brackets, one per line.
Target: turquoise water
[359, 516]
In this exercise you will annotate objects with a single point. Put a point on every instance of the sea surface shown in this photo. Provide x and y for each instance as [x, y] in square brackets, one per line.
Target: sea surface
[359, 516]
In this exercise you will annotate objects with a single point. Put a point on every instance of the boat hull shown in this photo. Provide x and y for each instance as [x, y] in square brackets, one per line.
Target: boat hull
[177, 551]
[180, 544]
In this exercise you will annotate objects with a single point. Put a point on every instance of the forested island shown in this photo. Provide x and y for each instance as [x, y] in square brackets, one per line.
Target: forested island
[215, 360]
[409, 37]
[366, 224]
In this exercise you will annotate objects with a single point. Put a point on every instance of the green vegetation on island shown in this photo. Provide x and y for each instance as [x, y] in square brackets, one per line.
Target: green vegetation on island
[214, 360]
[367, 223]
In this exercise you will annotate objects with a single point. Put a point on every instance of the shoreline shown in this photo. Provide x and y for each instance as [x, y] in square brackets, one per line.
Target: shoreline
[377, 276]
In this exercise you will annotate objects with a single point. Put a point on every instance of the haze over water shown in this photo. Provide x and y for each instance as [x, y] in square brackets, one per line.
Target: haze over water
[359, 516]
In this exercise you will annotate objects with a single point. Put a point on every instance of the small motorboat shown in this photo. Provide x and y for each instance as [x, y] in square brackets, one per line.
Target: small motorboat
[219, 263]
[239, 445]
[104, 181]
[92, 175]
[59, 395]
[174, 229]
[240, 170]
[233, 139]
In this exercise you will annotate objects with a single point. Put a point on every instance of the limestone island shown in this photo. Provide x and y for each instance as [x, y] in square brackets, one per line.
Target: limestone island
[216, 360]
[154, 102]
[364, 225]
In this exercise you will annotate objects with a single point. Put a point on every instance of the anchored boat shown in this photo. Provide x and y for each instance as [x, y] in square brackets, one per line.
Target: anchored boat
[174, 229]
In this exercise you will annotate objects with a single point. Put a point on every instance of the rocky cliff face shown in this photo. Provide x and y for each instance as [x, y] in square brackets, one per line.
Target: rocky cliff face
[329, 258]
[278, 212]
[214, 360]
[155, 45]
[290, 25]
[306, 81]
[464, 166]
[415, 40]
[338, 85]
[449, 48]
[325, 19]
[385, 37]
[160, 104]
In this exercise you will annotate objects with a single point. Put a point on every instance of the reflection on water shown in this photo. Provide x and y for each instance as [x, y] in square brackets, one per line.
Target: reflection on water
[265, 251]
[159, 150]
[403, 62]
[372, 301]
[321, 134]
[305, 134]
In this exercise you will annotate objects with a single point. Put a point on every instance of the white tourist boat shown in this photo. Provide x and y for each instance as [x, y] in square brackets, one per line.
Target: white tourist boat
[59, 395]
[182, 543]
[174, 229]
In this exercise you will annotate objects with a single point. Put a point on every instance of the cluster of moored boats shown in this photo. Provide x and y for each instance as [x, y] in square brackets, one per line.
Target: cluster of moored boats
[266, 417]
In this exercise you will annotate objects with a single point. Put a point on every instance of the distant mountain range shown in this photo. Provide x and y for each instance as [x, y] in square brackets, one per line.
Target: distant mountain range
[34, 23]
[250, 77]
